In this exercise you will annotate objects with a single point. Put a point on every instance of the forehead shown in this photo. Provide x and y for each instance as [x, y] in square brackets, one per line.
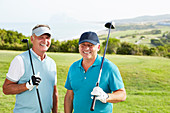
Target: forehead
[44, 35]
[87, 43]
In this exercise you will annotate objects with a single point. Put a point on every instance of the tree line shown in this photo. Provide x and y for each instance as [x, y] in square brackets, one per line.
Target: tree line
[11, 40]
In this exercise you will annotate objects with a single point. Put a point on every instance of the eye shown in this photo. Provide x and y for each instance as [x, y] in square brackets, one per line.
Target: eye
[48, 37]
[83, 45]
[90, 45]
[40, 37]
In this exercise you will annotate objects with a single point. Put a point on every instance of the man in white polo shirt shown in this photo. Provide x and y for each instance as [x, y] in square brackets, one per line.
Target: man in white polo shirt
[20, 81]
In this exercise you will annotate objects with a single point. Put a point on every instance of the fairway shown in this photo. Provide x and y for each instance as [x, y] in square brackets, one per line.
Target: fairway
[146, 81]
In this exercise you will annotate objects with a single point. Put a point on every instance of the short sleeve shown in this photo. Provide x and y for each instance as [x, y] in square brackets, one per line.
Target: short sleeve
[16, 69]
[55, 79]
[115, 78]
[67, 83]
[55, 70]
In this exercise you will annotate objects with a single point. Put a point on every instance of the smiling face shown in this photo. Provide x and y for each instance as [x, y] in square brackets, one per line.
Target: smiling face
[40, 43]
[88, 50]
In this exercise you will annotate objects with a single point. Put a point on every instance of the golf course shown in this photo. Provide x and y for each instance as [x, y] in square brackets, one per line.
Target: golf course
[146, 80]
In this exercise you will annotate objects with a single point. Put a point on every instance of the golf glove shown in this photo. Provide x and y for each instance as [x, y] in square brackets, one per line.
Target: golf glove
[34, 81]
[100, 94]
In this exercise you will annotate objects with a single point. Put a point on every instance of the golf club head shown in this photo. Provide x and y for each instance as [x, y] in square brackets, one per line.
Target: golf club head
[108, 24]
[25, 40]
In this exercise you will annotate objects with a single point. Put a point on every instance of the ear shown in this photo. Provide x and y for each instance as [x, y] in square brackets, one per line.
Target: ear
[98, 47]
[32, 38]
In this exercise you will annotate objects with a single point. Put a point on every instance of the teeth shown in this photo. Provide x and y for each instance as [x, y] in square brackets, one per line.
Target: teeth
[43, 44]
[86, 52]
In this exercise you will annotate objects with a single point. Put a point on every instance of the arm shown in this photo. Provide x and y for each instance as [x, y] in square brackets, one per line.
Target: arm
[68, 101]
[10, 87]
[55, 100]
[117, 96]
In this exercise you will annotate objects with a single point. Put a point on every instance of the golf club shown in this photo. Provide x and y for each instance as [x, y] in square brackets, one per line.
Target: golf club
[110, 26]
[26, 41]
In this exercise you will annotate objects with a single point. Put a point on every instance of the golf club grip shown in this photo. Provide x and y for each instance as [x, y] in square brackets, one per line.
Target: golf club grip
[93, 103]
[94, 100]
[39, 100]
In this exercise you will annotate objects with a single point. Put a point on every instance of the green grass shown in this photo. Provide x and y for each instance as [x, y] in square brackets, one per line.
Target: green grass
[146, 81]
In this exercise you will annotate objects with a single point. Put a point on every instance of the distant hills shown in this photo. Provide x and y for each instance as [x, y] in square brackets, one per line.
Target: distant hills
[65, 28]
[145, 19]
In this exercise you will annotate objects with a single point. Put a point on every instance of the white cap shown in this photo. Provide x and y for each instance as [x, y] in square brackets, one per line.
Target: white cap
[41, 30]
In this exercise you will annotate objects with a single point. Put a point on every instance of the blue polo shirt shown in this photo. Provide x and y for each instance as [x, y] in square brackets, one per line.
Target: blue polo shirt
[82, 84]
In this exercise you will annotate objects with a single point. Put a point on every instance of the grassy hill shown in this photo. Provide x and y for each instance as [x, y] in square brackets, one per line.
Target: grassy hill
[146, 81]
[145, 19]
[129, 33]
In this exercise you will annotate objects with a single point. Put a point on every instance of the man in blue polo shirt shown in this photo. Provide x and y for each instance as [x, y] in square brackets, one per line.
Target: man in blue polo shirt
[83, 75]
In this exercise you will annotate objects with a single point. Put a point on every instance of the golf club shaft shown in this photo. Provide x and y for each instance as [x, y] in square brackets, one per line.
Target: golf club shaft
[97, 84]
[34, 74]
[30, 59]
[39, 100]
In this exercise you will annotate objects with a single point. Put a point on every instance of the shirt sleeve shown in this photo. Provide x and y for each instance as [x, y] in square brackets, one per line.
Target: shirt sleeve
[16, 69]
[116, 81]
[67, 84]
[56, 77]
[55, 71]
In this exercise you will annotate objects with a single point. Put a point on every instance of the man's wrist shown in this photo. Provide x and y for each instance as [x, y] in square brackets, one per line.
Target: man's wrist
[29, 85]
[107, 97]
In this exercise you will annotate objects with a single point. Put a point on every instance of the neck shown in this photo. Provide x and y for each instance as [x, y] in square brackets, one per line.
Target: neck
[41, 54]
[86, 63]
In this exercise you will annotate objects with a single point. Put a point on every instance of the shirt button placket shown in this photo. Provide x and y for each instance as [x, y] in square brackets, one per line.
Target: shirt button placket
[84, 75]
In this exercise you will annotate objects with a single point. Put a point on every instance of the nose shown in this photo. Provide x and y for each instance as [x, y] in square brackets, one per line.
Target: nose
[44, 40]
[86, 47]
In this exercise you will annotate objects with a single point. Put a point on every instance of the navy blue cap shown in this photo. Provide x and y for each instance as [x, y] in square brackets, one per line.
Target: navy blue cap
[89, 37]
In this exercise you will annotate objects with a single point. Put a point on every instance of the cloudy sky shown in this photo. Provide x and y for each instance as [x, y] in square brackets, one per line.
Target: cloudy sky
[84, 10]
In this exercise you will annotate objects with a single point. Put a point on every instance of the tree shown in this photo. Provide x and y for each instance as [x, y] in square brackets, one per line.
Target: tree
[133, 36]
[156, 42]
[142, 37]
[112, 46]
[125, 49]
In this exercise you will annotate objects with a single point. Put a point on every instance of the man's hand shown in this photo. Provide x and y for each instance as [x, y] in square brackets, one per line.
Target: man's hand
[34, 81]
[100, 94]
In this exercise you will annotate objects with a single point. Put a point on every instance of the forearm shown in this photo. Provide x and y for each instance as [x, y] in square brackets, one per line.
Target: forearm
[55, 107]
[117, 96]
[14, 88]
[68, 106]
[68, 101]
[55, 100]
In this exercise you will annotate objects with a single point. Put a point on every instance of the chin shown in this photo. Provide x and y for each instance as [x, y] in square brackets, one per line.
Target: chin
[87, 57]
[44, 50]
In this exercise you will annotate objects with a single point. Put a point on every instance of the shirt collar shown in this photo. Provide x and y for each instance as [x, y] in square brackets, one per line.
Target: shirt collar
[96, 62]
[38, 55]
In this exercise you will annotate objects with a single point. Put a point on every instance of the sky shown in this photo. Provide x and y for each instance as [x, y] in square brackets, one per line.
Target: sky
[83, 10]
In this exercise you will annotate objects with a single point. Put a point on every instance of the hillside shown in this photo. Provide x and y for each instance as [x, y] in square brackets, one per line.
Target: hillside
[131, 30]
[144, 19]
[133, 34]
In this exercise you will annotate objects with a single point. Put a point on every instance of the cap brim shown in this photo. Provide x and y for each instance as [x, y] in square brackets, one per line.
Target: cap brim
[41, 30]
[90, 41]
